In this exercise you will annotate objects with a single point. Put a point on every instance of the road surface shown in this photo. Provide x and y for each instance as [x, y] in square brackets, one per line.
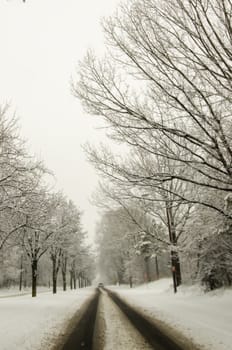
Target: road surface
[109, 323]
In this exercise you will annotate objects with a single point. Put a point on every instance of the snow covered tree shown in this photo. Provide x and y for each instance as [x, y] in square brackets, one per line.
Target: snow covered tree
[132, 184]
[17, 169]
[209, 250]
[33, 220]
[38, 231]
[67, 235]
[165, 87]
[10, 267]
[126, 251]
[164, 90]
[111, 237]
[19, 174]
[59, 222]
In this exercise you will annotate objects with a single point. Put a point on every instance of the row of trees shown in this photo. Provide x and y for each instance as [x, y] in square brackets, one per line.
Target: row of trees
[164, 90]
[126, 253]
[36, 222]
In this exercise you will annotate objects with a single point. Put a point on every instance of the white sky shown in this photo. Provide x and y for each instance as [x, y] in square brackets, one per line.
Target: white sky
[41, 43]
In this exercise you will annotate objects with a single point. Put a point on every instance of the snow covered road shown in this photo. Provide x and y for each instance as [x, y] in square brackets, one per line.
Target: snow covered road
[37, 323]
[118, 332]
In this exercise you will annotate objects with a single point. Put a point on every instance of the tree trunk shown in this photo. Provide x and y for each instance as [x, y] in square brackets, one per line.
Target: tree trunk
[157, 267]
[147, 269]
[178, 271]
[173, 272]
[228, 279]
[175, 260]
[119, 278]
[54, 285]
[34, 277]
[131, 281]
[71, 279]
[74, 280]
[64, 280]
[64, 271]
[54, 276]
[56, 261]
[25, 277]
[21, 274]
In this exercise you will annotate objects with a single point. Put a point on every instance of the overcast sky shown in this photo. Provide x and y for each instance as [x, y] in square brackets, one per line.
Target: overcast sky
[41, 42]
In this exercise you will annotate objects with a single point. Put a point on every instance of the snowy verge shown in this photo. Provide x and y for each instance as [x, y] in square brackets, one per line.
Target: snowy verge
[7, 292]
[205, 318]
[27, 322]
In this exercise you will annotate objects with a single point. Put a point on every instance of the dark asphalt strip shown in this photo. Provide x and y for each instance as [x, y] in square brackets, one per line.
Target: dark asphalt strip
[81, 337]
[157, 339]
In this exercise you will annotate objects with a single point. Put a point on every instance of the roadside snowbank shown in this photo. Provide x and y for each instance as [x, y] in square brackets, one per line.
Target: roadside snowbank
[34, 323]
[206, 318]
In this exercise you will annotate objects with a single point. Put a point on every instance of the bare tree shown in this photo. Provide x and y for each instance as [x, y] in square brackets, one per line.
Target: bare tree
[38, 231]
[132, 185]
[165, 87]
[67, 233]
[18, 176]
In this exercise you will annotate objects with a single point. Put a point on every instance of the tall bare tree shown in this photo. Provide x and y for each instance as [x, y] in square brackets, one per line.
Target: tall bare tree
[165, 87]
[18, 176]
[39, 229]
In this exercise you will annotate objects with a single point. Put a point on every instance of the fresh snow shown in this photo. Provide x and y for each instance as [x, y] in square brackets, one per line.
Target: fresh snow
[34, 323]
[206, 318]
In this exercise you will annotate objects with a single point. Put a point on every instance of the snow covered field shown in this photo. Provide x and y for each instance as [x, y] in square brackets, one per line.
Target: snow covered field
[34, 323]
[206, 318]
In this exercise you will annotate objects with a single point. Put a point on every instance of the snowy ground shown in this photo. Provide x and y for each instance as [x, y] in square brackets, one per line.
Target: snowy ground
[6, 292]
[204, 317]
[34, 323]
